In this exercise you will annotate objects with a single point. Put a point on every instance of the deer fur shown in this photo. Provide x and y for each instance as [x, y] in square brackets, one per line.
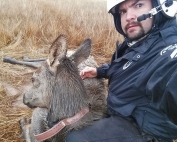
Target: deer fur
[58, 91]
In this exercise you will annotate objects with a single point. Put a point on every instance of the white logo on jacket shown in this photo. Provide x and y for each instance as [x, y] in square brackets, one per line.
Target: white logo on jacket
[171, 47]
[126, 65]
[174, 54]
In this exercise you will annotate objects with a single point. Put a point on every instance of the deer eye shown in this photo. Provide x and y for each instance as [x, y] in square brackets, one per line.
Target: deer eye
[35, 82]
[32, 79]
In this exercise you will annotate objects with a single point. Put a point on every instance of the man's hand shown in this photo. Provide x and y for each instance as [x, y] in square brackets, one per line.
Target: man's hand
[88, 72]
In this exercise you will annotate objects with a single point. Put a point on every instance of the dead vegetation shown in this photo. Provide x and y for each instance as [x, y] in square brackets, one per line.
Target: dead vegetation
[27, 28]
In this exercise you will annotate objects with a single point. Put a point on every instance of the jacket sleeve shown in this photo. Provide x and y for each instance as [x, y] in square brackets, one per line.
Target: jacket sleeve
[169, 100]
[162, 86]
[102, 71]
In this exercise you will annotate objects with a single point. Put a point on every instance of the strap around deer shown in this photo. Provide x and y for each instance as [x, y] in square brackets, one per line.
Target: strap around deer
[58, 127]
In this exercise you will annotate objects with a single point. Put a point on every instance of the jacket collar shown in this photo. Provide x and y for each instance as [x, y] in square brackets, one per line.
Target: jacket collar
[145, 43]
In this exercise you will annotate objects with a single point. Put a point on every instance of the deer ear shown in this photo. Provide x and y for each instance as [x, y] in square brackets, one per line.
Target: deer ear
[57, 51]
[82, 52]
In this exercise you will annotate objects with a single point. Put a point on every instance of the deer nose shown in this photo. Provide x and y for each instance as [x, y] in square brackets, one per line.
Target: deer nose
[26, 101]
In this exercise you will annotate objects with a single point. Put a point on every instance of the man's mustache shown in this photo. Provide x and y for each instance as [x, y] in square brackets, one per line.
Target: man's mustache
[132, 24]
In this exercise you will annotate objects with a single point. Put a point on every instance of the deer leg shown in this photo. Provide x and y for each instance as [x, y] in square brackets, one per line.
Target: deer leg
[14, 61]
[26, 59]
[36, 125]
[25, 124]
[38, 122]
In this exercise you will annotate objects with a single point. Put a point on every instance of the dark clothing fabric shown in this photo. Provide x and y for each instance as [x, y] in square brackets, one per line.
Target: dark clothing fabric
[142, 95]
[143, 82]
[122, 130]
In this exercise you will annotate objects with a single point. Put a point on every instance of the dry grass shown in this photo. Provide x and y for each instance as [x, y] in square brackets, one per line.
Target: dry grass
[28, 27]
[9, 117]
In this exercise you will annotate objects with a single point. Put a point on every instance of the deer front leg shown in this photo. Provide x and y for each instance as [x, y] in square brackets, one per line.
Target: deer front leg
[38, 122]
[25, 124]
[14, 61]
[36, 125]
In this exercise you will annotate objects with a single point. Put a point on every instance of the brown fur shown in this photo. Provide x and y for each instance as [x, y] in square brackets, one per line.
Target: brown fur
[59, 92]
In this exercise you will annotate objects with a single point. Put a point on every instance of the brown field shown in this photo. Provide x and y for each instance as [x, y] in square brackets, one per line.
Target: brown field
[27, 28]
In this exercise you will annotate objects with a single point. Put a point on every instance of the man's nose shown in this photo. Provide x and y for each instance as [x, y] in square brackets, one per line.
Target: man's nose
[130, 16]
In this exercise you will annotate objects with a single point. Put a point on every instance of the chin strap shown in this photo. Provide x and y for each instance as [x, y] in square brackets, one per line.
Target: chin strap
[58, 127]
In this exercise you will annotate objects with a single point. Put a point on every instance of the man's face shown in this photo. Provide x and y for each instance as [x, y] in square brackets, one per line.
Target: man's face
[129, 11]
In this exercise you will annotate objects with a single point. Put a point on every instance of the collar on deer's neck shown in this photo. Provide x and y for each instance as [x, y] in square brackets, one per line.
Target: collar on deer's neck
[58, 127]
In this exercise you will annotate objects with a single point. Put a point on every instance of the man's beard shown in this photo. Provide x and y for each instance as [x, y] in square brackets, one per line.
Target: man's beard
[139, 35]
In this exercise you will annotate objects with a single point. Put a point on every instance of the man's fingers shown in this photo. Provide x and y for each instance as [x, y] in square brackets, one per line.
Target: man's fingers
[83, 74]
[86, 72]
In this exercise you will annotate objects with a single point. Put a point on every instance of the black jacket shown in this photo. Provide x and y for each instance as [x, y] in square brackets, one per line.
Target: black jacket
[143, 81]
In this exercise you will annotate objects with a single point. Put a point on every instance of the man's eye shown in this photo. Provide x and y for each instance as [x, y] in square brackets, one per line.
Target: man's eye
[122, 12]
[138, 5]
